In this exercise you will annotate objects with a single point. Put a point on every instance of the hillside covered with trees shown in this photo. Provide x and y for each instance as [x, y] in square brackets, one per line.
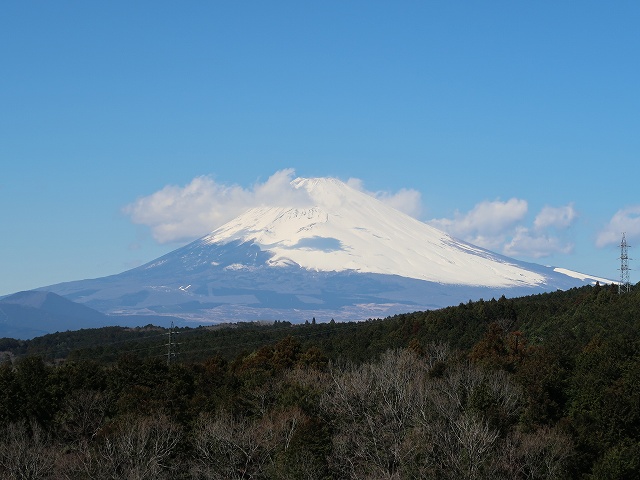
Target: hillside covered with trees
[539, 387]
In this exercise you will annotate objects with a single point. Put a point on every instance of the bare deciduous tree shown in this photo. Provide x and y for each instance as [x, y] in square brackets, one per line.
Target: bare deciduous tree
[460, 417]
[26, 453]
[539, 455]
[373, 408]
[82, 414]
[138, 448]
[232, 448]
[436, 353]
[467, 443]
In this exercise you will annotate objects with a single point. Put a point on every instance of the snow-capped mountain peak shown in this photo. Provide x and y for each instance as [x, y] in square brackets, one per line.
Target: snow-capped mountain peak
[346, 229]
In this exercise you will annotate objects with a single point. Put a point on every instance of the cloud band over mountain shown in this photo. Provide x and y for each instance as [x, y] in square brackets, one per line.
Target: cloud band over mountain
[182, 213]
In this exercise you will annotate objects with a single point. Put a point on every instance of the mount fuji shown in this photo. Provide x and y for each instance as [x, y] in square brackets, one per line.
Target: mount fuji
[339, 253]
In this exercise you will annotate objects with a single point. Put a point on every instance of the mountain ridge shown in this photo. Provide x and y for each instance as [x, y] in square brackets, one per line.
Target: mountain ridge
[32, 313]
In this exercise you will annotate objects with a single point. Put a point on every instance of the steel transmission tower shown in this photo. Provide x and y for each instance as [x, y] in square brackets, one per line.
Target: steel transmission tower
[172, 345]
[624, 286]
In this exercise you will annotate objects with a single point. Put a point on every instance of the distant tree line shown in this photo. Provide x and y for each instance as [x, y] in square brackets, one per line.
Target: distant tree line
[540, 387]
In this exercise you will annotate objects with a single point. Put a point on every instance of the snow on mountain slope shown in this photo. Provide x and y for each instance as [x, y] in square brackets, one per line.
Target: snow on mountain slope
[583, 276]
[346, 229]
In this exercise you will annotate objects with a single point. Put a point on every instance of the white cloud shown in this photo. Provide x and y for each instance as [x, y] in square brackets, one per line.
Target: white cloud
[177, 213]
[498, 226]
[626, 220]
[406, 200]
[487, 224]
[556, 217]
[534, 244]
[277, 191]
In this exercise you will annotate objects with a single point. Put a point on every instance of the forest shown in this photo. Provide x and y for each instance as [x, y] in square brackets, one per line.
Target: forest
[538, 387]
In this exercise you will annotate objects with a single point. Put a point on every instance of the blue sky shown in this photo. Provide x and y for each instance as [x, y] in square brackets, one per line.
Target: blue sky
[513, 125]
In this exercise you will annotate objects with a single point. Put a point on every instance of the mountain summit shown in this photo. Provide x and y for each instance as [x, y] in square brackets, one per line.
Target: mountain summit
[339, 254]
